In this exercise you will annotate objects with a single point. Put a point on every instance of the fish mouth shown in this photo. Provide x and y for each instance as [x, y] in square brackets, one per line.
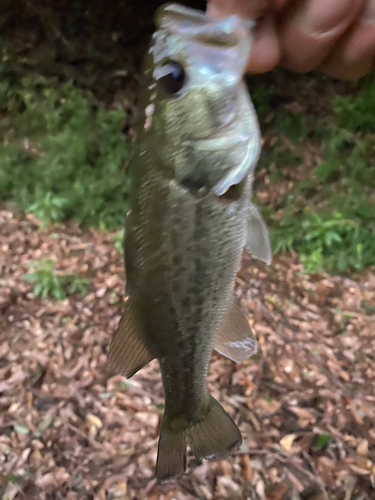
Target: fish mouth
[193, 24]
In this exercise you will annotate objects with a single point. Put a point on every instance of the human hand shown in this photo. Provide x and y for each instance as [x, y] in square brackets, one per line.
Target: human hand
[335, 36]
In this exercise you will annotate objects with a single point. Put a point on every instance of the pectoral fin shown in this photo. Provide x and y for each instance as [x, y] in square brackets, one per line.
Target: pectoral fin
[127, 353]
[234, 338]
[258, 241]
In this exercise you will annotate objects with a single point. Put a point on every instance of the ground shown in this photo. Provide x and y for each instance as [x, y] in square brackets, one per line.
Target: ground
[70, 429]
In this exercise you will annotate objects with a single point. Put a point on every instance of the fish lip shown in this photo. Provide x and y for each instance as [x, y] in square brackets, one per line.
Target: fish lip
[195, 24]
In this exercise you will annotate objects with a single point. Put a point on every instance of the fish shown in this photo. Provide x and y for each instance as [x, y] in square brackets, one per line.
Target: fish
[190, 217]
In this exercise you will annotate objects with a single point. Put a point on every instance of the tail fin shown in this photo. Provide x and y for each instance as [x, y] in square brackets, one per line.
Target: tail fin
[171, 459]
[215, 436]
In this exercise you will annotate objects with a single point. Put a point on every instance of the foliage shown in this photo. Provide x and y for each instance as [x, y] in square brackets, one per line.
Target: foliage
[326, 240]
[62, 153]
[322, 440]
[356, 112]
[328, 217]
[118, 238]
[47, 283]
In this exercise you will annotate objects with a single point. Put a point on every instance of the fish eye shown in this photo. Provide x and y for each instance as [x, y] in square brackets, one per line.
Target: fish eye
[173, 77]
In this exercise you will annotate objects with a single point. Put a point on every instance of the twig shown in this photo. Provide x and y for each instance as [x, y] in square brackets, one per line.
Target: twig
[93, 443]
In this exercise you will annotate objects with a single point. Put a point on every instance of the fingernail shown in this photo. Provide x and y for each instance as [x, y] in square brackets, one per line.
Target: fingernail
[368, 14]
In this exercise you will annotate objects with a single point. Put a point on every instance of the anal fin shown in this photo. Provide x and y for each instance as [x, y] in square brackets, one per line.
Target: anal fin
[127, 354]
[234, 338]
[257, 240]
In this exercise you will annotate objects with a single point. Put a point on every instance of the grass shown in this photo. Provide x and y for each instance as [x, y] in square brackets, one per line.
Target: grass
[62, 156]
[328, 217]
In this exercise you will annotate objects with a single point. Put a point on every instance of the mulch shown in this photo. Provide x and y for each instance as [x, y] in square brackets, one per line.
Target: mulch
[70, 429]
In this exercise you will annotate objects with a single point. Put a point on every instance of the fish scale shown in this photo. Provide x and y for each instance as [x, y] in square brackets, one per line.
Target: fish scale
[190, 218]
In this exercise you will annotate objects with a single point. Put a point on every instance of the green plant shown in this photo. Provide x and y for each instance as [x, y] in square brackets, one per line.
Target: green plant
[47, 207]
[322, 440]
[328, 217]
[118, 238]
[47, 283]
[63, 153]
[326, 241]
[356, 111]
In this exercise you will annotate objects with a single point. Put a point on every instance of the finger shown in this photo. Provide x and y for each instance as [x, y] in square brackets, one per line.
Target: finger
[265, 51]
[251, 9]
[309, 29]
[280, 4]
[354, 55]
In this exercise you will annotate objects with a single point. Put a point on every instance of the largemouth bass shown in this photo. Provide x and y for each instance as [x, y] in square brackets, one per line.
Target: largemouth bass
[190, 217]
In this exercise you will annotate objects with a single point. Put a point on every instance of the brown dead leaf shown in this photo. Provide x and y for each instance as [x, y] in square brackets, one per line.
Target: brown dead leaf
[287, 441]
[277, 492]
[362, 447]
[305, 417]
[247, 470]
[92, 434]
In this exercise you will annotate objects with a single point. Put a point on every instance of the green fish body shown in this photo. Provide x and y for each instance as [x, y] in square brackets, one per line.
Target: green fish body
[190, 218]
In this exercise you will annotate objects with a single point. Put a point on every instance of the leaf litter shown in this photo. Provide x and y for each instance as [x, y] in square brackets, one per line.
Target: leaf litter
[70, 429]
